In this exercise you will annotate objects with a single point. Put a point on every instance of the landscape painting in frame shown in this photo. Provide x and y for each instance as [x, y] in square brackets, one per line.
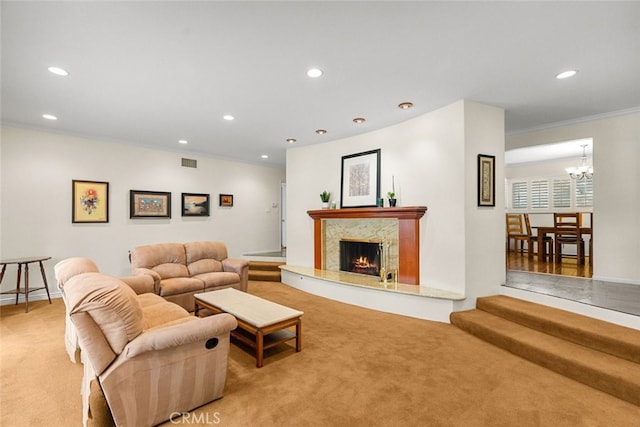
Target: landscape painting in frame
[90, 201]
[360, 181]
[195, 204]
[149, 204]
[486, 180]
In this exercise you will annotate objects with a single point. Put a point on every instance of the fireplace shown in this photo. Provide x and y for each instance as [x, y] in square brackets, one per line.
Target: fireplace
[362, 257]
[398, 228]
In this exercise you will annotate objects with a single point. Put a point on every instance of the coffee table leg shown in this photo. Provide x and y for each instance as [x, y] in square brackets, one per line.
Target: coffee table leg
[259, 348]
[299, 335]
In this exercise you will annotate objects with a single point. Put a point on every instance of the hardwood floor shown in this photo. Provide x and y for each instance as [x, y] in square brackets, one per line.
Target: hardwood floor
[568, 267]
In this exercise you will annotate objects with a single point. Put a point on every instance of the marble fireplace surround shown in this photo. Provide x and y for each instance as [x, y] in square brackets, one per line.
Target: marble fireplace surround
[397, 228]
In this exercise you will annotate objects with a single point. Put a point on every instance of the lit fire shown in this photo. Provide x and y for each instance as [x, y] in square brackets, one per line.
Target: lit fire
[362, 262]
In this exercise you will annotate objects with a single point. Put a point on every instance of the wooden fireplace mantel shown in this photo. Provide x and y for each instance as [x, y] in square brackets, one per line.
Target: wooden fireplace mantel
[408, 228]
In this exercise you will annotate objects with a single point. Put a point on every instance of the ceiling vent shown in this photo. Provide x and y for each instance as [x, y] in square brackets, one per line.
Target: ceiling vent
[189, 163]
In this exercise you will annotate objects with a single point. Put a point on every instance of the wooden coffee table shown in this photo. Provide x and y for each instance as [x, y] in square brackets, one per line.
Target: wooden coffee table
[262, 324]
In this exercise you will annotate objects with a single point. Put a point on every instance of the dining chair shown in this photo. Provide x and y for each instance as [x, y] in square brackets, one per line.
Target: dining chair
[547, 243]
[566, 230]
[591, 239]
[515, 232]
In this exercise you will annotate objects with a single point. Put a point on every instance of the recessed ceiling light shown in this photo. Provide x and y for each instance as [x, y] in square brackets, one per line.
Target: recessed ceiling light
[228, 117]
[58, 71]
[314, 72]
[565, 74]
[49, 117]
[183, 141]
[264, 156]
[405, 105]
[291, 140]
[359, 120]
[321, 131]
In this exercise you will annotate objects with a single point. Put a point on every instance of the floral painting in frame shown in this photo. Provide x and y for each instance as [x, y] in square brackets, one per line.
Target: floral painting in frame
[90, 201]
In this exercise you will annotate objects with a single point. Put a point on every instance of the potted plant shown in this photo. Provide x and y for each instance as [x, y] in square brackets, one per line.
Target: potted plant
[325, 196]
[392, 198]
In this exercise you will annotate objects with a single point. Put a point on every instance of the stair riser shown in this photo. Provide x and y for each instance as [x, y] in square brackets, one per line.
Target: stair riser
[616, 385]
[592, 334]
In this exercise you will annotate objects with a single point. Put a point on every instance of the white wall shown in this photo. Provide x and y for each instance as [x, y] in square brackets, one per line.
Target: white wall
[433, 159]
[484, 229]
[616, 190]
[36, 175]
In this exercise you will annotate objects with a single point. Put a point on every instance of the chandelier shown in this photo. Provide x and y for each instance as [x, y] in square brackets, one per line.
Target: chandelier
[584, 171]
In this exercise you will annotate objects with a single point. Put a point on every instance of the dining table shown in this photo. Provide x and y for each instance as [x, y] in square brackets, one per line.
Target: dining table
[544, 230]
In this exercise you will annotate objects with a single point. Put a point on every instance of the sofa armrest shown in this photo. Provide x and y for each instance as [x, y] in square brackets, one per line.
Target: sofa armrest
[140, 271]
[235, 265]
[240, 266]
[200, 329]
[141, 284]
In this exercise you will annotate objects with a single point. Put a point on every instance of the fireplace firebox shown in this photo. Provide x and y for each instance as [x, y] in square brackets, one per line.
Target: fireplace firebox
[362, 257]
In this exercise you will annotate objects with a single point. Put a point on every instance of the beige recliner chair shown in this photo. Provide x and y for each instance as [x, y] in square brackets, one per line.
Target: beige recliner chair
[69, 267]
[152, 358]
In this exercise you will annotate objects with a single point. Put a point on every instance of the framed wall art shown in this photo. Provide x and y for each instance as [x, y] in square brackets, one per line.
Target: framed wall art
[360, 180]
[486, 180]
[90, 201]
[195, 204]
[149, 204]
[226, 200]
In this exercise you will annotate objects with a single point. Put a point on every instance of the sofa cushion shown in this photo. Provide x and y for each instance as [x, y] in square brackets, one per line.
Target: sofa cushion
[110, 302]
[204, 266]
[180, 285]
[160, 314]
[170, 271]
[166, 259]
[149, 299]
[204, 257]
[214, 280]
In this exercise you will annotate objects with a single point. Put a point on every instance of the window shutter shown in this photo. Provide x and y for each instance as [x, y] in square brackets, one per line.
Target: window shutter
[519, 195]
[561, 193]
[539, 194]
[584, 192]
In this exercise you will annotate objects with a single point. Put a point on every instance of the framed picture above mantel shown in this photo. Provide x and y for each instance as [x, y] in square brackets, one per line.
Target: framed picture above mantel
[360, 179]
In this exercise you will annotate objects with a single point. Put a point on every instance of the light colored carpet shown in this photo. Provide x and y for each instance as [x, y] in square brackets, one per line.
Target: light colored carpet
[358, 367]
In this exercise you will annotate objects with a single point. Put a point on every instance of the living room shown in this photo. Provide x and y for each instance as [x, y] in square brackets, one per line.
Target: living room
[429, 158]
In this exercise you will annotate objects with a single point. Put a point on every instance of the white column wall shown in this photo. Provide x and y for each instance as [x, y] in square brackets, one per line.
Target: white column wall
[433, 167]
[484, 226]
[37, 170]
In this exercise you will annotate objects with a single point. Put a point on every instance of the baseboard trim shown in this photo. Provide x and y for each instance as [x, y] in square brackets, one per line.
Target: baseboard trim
[9, 299]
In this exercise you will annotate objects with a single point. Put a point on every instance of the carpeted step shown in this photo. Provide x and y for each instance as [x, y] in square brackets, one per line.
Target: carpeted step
[264, 276]
[265, 271]
[593, 333]
[602, 371]
[610, 374]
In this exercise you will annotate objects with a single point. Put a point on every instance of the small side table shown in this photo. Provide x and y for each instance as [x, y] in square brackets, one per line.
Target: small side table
[25, 291]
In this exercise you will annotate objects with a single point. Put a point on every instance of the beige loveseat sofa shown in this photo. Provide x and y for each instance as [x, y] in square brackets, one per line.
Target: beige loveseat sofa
[182, 270]
[151, 357]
